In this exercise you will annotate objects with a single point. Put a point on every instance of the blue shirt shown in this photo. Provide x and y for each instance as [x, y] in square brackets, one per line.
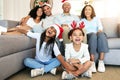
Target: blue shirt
[66, 19]
[92, 26]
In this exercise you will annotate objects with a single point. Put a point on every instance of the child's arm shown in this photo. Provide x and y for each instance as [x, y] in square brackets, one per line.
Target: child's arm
[67, 53]
[29, 33]
[86, 55]
[61, 58]
[67, 66]
[24, 20]
[22, 31]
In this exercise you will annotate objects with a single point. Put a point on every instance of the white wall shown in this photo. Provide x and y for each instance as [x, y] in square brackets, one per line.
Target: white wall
[107, 8]
[15, 9]
[1, 9]
[57, 7]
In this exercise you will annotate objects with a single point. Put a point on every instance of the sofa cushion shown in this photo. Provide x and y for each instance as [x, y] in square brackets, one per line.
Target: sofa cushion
[110, 26]
[8, 23]
[10, 44]
[114, 43]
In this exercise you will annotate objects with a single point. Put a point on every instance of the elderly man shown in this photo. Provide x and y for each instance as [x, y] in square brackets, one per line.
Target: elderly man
[65, 19]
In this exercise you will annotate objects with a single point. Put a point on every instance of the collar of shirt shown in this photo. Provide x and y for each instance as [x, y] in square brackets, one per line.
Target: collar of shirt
[63, 14]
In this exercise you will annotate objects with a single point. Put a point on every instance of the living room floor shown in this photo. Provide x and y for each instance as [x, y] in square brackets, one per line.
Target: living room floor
[112, 73]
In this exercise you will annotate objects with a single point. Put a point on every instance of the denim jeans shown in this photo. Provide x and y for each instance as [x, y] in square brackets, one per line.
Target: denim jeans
[97, 43]
[49, 65]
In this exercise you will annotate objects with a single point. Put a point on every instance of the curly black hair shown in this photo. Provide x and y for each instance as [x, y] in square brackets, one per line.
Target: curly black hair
[33, 13]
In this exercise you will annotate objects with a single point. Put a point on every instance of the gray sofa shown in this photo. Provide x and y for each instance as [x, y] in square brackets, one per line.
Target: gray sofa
[112, 30]
[13, 50]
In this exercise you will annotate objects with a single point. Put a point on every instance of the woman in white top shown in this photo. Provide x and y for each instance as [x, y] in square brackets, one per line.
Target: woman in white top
[77, 55]
[44, 61]
[36, 20]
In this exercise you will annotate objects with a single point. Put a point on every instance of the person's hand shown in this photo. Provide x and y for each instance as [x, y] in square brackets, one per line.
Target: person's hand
[73, 60]
[68, 67]
[75, 73]
[21, 30]
[99, 31]
[24, 20]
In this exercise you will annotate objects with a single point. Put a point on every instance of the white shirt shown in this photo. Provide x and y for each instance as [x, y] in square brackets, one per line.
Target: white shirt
[32, 23]
[82, 54]
[48, 21]
[43, 54]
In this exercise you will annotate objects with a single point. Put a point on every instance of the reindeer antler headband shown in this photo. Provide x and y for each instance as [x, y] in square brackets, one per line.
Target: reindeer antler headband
[74, 25]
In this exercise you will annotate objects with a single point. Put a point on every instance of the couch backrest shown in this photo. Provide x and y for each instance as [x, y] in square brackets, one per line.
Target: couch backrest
[8, 23]
[110, 26]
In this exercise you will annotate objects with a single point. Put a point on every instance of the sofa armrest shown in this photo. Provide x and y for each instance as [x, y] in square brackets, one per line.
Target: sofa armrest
[15, 44]
[8, 23]
[118, 30]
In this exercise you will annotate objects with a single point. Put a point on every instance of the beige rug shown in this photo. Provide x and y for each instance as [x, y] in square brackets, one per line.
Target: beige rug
[112, 73]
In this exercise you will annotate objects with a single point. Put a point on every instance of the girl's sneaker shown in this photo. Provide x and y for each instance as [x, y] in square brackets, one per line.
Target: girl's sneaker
[65, 75]
[101, 66]
[53, 71]
[88, 74]
[36, 72]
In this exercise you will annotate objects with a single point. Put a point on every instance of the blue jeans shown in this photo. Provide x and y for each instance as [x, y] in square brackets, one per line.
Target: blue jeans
[49, 65]
[97, 43]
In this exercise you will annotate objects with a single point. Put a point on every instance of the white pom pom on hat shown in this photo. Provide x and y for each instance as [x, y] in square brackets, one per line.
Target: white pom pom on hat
[46, 4]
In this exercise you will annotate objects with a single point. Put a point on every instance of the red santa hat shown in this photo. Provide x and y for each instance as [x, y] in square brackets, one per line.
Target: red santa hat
[64, 1]
[46, 4]
[59, 31]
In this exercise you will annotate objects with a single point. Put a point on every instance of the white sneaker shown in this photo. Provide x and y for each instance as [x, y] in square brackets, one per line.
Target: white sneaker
[36, 72]
[101, 66]
[93, 67]
[65, 75]
[88, 74]
[53, 71]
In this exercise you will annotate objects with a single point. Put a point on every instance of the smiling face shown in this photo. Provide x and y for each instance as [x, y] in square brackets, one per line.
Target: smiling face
[39, 12]
[66, 7]
[47, 10]
[77, 36]
[88, 12]
[51, 32]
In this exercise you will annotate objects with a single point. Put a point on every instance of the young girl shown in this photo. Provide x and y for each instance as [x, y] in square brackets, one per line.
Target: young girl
[96, 38]
[77, 55]
[36, 15]
[45, 45]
